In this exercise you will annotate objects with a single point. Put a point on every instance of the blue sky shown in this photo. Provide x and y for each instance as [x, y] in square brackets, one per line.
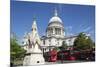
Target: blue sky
[76, 18]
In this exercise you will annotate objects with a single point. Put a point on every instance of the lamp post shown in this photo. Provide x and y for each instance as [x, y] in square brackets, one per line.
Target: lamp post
[62, 58]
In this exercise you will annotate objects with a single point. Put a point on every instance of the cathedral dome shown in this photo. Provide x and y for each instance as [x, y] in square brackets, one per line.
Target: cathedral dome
[55, 27]
[55, 24]
[55, 19]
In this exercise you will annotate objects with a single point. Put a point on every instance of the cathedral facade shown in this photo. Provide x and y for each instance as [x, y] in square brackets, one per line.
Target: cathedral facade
[55, 35]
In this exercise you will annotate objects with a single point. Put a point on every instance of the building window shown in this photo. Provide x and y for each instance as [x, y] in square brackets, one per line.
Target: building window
[49, 40]
[51, 31]
[57, 31]
[45, 49]
[44, 42]
[37, 61]
[58, 43]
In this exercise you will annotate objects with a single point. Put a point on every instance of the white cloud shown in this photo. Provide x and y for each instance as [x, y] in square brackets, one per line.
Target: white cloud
[69, 34]
[82, 25]
[87, 29]
[68, 30]
[91, 33]
[81, 28]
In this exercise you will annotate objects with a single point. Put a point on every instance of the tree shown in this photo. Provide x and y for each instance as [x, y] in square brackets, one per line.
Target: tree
[16, 51]
[57, 49]
[83, 42]
[64, 45]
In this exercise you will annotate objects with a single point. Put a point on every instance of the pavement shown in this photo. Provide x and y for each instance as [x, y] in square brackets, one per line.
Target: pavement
[61, 62]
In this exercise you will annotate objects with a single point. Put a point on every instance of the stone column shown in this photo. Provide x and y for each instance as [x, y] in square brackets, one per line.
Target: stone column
[53, 30]
[61, 32]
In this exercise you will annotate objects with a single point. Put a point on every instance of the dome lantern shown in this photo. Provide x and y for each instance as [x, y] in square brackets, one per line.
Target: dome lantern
[55, 12]
[55, 18]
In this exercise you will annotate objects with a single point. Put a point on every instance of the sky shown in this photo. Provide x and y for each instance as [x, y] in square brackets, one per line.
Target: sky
[76, 18]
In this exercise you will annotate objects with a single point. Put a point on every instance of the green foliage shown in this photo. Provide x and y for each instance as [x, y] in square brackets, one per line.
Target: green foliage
[64, 45]
[82, 42]
[57, 48]
[16, 51]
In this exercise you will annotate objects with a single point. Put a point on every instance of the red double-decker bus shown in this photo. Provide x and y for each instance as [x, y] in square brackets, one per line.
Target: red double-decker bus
[53, 56]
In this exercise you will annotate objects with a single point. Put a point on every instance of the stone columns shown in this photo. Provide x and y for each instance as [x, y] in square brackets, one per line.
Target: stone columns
[62, 32]
[53, 31]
